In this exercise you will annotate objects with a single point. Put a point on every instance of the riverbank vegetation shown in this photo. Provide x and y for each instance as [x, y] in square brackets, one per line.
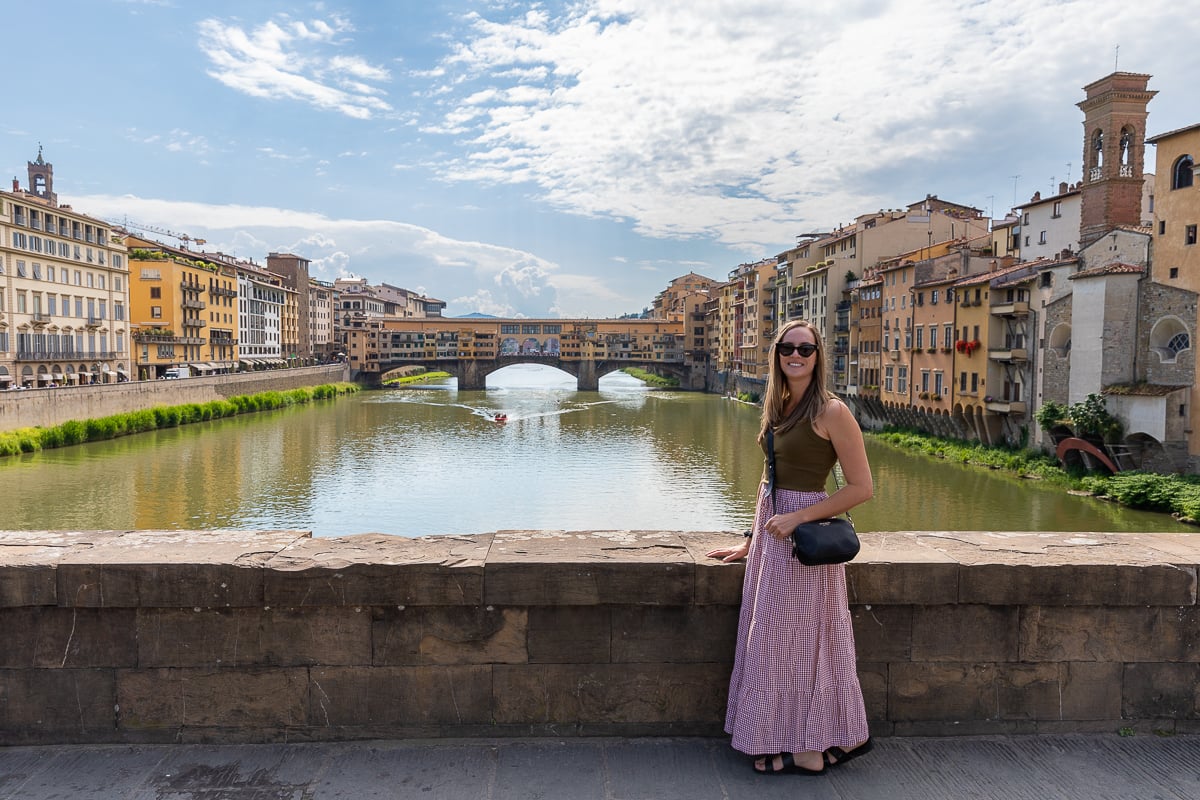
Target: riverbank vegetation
[652, 379]
[419, 375]
[1178, 495]
[30, 440]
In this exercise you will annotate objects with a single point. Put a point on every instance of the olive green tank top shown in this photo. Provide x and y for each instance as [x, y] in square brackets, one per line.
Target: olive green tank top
[803, 460]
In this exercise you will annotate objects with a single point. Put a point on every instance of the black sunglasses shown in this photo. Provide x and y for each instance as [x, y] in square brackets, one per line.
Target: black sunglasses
[787, 348]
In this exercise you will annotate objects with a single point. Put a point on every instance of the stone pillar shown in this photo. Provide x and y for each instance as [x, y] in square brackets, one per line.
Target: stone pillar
[588, 381]
[472, 375]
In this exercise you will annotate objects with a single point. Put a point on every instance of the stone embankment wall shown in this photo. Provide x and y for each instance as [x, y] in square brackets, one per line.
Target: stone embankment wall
[45, 407]
[175, 636]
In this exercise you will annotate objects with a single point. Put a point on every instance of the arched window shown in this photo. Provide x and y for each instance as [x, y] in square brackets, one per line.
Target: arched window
[1126, 146]
[1098, 149]
[1168, 338]
[1181, 173]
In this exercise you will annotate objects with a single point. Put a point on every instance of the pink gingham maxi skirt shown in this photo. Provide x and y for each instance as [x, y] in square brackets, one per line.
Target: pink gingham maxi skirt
[794, 686]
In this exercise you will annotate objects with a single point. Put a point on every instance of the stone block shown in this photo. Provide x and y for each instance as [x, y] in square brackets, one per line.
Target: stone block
[1118, 634]
[942, 691]
[56, 638]
[56, 705]
[177, 699]
[570, 634]
[610, 694]
[378, 697]
[545, 568]
[896, 568]
[873, 678]
[253, 637]
[1028, 691]
[1077, 585]
[674, 635]
[379, 569]
[171, 569]
[448, 635]
[29, 559]
[882, 633]
[965, 633]
[1170, 691]
[1091, 690]
[717, 583]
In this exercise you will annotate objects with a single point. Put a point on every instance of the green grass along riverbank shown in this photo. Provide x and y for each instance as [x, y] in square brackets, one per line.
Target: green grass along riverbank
[30, 440]
[1177, 495]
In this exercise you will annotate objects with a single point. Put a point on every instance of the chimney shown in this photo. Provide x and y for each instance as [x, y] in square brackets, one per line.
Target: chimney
[16, 184]
[1062, 188]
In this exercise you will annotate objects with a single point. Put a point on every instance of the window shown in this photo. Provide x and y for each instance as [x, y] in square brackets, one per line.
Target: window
[1179, 342]
[925, 380]
[888, 373]
[1057, 209]
[1042, 238]
[938, 379]
[948, 336]
[1027, 241]
[962, 382]
[1046, 278]
[920, 338]
[1189, 236]
[1162, 227]
[1025, 219]
[156, 312]
[975, 383]
[50, 273]
[902, 381]
[1181, 173]
[1174, 272]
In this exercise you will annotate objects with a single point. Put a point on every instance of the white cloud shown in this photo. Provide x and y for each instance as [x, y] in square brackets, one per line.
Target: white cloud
[286, 59]
[745, 123]
[380, 250]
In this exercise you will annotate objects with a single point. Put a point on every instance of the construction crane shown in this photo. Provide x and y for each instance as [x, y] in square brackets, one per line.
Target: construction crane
[182, 238]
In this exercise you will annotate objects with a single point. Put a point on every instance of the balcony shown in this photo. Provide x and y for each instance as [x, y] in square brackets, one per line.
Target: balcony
[1012, 354]
[1005, 406]
[188, 286]
[38, 319]
[894, 355]
[193, 322]
[94, 322]
[1019, 309]
[189, 302]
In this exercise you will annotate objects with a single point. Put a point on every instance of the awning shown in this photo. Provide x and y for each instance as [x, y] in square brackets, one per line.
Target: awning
[202, 366]
[107, 371]
[121, 371]
[58, 376]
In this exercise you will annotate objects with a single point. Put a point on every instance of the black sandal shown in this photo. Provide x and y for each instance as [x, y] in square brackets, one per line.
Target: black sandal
[789, 766]
[836, 756]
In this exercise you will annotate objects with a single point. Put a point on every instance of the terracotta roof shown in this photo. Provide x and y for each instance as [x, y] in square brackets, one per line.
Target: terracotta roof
[1154, 139]
[1143, 389]
[1116, 268]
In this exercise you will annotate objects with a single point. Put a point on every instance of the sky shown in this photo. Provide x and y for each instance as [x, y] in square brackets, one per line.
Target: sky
[561, 159]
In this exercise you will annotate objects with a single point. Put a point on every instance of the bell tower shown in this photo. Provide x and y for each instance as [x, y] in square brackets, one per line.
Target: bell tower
[1114, 145]
[41, 179]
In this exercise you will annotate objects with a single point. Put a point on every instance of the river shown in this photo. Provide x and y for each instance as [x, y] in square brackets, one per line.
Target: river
[429, 460]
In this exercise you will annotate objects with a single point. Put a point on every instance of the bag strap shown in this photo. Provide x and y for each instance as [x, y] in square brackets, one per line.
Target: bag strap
[771, 471]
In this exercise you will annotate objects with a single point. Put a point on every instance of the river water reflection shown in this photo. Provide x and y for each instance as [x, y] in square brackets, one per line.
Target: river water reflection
[426, 461]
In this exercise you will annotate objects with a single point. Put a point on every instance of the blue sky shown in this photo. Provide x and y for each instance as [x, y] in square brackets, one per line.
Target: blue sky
[562, 159]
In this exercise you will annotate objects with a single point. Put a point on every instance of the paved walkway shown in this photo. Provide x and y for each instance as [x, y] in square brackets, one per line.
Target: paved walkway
[1094, 766]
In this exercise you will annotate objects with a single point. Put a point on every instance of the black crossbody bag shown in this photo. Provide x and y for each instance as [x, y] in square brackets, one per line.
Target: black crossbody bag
[823, 541]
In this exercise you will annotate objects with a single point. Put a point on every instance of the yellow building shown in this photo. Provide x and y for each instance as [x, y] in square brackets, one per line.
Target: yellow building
[181, 310]
[63, 291]
[1176, 249]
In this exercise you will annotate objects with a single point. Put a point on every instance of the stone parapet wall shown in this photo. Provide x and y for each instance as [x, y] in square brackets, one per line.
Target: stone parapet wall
[45, 407]
[177, 636]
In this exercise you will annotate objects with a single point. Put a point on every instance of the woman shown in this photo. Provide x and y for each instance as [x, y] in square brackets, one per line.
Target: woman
[795, 703]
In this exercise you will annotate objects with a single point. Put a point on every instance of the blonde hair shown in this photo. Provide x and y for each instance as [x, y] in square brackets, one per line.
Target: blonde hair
[777, 396]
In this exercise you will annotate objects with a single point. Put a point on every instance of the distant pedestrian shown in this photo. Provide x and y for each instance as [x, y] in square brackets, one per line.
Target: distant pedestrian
[795, 704]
